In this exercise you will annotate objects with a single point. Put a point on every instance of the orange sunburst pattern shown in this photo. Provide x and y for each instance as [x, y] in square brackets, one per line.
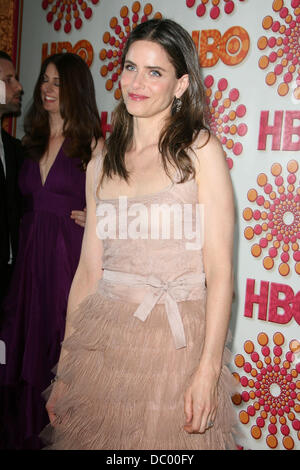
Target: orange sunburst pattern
[226, 114]
[268, 373]
[116, 39]
[282, 47]
[276, 219]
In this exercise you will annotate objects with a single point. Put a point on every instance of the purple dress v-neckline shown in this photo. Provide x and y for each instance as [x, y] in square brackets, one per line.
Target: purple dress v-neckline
[35, 307]
[51, 168]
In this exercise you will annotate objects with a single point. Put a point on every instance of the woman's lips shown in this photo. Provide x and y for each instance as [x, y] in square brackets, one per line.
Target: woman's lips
[49, 98]
[136, 97]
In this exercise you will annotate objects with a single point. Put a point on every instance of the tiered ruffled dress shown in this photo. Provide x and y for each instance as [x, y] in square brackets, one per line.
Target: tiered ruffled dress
[137, 341]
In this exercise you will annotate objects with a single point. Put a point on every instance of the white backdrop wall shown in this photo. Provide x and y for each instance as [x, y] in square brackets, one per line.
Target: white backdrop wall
[250, 54]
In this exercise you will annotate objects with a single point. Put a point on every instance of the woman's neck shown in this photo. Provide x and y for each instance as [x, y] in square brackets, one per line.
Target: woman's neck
[146, 132]
[56, 125]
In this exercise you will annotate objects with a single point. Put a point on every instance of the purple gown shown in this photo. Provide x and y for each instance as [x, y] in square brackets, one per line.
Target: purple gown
[35, 307]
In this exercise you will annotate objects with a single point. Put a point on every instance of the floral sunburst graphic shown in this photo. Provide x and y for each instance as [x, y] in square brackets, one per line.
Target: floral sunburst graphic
[213, 6]
[224, 115]
[277, 219]
[283, 46]
[271, 386]
[66, 11]
[116, 40]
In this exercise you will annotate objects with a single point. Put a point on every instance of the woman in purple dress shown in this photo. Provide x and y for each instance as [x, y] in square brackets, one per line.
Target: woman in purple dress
[62, 132]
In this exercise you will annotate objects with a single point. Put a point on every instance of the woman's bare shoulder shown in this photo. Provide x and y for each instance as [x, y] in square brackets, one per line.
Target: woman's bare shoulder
[97, 148]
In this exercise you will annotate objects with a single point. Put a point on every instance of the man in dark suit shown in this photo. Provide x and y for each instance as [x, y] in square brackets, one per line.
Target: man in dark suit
[10, 162]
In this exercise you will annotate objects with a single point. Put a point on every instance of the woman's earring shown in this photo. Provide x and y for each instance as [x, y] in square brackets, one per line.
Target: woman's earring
[177, 103]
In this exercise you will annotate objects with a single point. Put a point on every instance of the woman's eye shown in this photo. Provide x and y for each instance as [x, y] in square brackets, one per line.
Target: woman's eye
[155, 73]
[129, 67]
[46, 80]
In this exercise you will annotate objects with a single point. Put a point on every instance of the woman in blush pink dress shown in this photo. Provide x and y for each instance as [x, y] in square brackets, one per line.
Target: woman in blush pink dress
[143, 362]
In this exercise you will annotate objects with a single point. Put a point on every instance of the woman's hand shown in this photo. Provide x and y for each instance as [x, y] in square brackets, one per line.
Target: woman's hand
[79, 217]
[200, 401]
[56, 393]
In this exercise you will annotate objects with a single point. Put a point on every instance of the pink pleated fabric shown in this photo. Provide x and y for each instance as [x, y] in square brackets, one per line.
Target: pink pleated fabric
[136, 344]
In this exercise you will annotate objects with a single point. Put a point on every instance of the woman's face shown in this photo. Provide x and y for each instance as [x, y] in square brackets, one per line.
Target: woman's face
[50, 89]
[149, 81]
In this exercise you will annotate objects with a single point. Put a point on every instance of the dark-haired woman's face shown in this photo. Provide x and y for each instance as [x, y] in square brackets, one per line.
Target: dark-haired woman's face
[50, 89]
[149, 81]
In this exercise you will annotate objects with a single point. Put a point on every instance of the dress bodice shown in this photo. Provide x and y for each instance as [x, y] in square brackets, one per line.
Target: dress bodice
[157, 234]
[63, 190]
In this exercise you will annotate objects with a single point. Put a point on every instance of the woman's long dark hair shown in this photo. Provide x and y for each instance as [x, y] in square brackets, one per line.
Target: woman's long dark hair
[78, 110]
[183, 126]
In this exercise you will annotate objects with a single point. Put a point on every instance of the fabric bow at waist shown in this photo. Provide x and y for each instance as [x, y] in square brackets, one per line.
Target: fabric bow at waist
[149, 290]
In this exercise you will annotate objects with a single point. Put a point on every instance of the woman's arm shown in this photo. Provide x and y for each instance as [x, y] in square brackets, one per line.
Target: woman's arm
[89, 269]
[79, 217]
[216, 194]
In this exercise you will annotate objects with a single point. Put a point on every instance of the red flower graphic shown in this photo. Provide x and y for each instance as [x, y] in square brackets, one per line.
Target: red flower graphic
[213, 6]
[65, 11]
